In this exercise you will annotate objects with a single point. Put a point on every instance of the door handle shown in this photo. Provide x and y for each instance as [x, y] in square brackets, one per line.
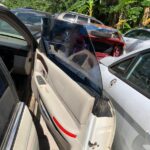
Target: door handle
[112, 82]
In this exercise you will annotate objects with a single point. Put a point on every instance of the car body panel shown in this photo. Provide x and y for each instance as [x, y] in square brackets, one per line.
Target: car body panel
[132, 125]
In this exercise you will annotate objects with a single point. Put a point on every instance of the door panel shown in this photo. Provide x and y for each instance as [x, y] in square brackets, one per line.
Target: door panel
[26, 137]
[68, 105]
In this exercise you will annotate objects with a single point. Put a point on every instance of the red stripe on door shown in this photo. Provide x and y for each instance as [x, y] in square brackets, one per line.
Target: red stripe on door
[63, 129]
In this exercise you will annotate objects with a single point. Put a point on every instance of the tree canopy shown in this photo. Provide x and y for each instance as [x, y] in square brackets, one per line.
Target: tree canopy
[122, 14]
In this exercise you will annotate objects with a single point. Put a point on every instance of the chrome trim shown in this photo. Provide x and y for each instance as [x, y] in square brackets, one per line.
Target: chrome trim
[11, 132]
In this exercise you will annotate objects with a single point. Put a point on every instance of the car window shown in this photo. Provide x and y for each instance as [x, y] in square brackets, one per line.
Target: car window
[8, 30]
[132, 34]
[139, 34]
[82, 19]
[140, 74]
[7, 104]
[144, 35]
[122, 67]
[69, 17]
[30, 18]
[70, 42]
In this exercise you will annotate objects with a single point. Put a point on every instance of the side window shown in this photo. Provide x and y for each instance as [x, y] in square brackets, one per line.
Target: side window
[140, 74]
[82, 19]
[144, 35]
[122, 67]
[132, 34]
[69, 17]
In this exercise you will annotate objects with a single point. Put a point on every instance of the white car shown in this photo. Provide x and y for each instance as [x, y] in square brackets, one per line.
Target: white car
[126, 80]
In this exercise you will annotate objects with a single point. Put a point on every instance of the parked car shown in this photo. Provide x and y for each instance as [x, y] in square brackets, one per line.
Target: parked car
[32, 19]
[75, 17]
[106, 40]
[134, 38]
[66, 82]
[126, 80]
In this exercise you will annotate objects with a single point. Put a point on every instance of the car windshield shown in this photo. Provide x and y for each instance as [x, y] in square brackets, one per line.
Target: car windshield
[70, 43]
[31, 18]
[8, 30]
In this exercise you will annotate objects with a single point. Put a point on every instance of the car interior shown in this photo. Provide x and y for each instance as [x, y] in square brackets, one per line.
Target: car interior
[17, 130]
[17, 56]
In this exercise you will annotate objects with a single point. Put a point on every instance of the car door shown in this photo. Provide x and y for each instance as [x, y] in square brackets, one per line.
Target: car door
[68, 90]
[127, 84]
[17, 130]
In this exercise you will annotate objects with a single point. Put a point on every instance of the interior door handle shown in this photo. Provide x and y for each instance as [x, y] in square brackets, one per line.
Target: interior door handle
[112, 82]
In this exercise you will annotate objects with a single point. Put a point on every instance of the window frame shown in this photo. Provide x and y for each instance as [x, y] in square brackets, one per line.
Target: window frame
[135, 57]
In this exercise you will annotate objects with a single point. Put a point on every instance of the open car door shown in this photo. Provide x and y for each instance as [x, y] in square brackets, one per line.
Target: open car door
[67, 85]
[17, 130]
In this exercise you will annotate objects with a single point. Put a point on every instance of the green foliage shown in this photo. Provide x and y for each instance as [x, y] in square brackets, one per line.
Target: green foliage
[146, 3]
[108, 11]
